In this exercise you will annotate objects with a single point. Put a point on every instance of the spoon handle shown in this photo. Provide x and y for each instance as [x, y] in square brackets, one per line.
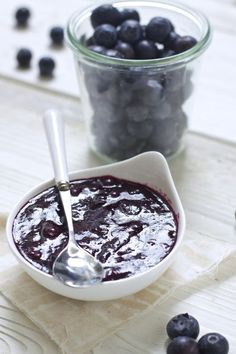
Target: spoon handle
[54, 128]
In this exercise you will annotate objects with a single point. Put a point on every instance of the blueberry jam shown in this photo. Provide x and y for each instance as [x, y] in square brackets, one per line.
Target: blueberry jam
[128, 226]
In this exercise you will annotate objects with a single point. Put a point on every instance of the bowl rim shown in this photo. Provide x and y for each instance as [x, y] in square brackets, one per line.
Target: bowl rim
[49, 183]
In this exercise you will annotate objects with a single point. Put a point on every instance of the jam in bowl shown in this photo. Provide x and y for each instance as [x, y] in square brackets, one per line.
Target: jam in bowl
[128, 215]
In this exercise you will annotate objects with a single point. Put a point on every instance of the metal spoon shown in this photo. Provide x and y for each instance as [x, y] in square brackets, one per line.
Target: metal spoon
[73, 266]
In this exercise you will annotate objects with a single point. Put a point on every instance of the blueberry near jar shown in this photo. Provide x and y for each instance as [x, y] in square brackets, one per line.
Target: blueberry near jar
[136, 63]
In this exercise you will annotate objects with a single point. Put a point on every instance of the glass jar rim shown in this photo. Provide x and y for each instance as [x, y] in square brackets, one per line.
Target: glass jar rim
[177, 59]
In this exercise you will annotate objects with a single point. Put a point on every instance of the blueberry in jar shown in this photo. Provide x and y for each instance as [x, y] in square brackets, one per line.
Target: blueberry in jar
[113, 53]
[151, 94]
[168, 53]
[23, 58]
[130, 31]
[183, 345]
[22, 16]
[171, 40]
[164, 136]
[183, 325]
[133, 79]
[184, 43]
[57, 35]
[46, 66]
[129, 14]
[158, 29]
[146, 50]
[97, 49]
[175, 79]
[213, 343]
[140, 130]
[125, 49]
[137, 112]
[105, 35]
[105, 14]
[144, 31]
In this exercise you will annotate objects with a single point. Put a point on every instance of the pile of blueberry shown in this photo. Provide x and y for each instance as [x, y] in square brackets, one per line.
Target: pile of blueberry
[183, 331]
[24, 55]
[120, 34]
[136, 108]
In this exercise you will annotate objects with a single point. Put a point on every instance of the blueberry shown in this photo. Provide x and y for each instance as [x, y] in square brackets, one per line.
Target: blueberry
[34, 254]
[161, 111]
[168, 53]
[46, 66]
[105, 14]
[125, 97]
[90, 41]
[121, 141]
[106, 35]
[97, 49]
[146, 50]
[126, 50]
[50, 230]
[183, 345]
[173, 80]
[107, 112]
[158, 29]
[75, 189]
[184, 43]
[171, 40]
[140, 130]
[137, 112]
[213, 343]
[151, 94]
[133, 79]
[22, 16]
[98, 81]
[57, 35]
[179, 96]
[183, 325]
[129, 14]
[113, 53]
[130, 31]
[24, 57]
[144, 31]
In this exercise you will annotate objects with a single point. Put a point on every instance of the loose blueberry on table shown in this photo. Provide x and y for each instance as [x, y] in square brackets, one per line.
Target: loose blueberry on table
[213, 343]
[23, 58]
[46, 67]
[136, 109]
[128, 226]
[57, 35]
[22, 16]
[183, 325]
[184, 329]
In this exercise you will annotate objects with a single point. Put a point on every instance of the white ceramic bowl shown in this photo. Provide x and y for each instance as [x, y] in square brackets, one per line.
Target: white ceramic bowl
[149, 168]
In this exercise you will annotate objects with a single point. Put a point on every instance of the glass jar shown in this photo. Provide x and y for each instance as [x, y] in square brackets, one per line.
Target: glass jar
[133, 106]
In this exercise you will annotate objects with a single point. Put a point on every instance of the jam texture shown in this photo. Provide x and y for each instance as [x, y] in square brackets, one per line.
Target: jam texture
[128, 226]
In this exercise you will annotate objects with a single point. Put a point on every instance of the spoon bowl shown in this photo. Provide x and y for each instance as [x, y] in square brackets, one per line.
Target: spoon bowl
[77, 268]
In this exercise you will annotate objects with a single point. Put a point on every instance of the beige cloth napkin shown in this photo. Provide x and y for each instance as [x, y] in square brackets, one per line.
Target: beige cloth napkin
[77, 326]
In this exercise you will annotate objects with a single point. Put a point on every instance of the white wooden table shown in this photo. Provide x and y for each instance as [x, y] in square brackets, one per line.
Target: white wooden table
[212, 300]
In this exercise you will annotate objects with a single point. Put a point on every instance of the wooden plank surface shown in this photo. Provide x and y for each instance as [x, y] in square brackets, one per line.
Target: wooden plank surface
[205, 177]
